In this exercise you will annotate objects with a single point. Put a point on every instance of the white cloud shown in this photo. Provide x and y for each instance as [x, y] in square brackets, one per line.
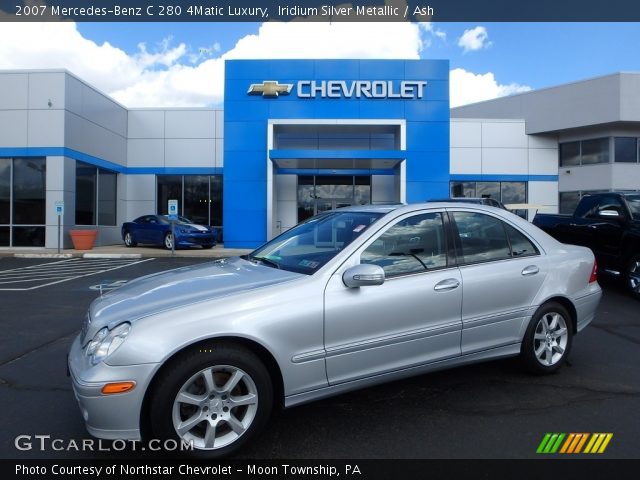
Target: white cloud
[468, 87]
[166, 74]
[474, 39]
[430, 31]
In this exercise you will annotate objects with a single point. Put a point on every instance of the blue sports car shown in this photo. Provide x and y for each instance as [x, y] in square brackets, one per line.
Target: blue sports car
[156, 229]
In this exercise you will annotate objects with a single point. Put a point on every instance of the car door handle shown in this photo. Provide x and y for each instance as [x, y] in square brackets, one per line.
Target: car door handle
[530, 270]
[448, 284]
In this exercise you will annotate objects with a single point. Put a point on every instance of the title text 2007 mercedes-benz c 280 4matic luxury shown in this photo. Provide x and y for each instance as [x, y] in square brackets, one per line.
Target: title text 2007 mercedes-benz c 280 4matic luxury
[346, 299]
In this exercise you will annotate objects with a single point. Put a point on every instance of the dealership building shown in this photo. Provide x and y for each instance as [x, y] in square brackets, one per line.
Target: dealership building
[298, 137]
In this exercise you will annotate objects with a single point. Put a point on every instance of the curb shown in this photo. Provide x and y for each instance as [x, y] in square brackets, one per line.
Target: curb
[43, 255]
[111, 255]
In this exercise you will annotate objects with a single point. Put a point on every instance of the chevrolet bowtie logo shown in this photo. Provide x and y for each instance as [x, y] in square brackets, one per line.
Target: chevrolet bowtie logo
[270, 88]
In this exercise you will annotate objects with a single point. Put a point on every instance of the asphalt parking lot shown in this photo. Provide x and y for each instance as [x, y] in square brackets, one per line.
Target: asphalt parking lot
[492, 410]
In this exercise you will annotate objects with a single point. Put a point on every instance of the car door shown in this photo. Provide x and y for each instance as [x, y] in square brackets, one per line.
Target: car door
[411, 319]
[502, 270]
[141, 232]
[608, 231]
[156, 230]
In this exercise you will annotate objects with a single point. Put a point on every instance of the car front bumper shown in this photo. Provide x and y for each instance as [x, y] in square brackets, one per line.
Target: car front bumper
[114, 416]
[191, 239]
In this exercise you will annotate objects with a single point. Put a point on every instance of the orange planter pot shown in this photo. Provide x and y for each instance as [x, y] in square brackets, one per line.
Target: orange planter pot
[83, 239]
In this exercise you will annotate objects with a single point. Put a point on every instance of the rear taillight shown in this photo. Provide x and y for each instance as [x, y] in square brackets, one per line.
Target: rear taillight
[594, 273]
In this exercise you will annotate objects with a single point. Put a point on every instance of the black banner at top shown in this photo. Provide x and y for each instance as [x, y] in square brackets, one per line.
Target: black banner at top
[319, 10]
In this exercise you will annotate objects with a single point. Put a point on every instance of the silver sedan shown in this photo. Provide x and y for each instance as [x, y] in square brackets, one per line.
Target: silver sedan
[347, 299]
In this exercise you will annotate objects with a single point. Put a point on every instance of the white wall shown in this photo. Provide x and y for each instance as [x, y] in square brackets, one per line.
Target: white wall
[286, 195]
[94, 123]
[174, 138]
[500, 147]
[544, 193]
[138, 195]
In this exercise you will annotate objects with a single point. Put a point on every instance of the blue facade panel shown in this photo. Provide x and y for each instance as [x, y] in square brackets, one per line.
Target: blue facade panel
[247, 117]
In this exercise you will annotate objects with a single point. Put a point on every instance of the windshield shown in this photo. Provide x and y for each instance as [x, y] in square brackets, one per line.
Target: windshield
[634, 205]
[310, 245]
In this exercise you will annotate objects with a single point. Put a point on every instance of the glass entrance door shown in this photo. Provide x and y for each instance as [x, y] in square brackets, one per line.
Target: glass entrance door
[317, 194]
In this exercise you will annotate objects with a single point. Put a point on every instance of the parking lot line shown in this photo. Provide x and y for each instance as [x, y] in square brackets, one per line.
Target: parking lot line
[52, 273]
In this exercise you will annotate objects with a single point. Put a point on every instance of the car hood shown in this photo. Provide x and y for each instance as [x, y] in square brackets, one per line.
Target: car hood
[193, 226]
[161, 291]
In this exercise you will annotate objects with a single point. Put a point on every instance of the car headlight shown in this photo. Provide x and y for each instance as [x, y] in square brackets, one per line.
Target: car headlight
[106, 341]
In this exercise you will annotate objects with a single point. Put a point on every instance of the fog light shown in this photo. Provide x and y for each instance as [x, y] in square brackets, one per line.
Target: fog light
[118, 387]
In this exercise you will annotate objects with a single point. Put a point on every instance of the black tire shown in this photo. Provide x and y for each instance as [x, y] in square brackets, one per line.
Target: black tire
[167, 240]
[220, 359]
[632, 276]
[128, 240]
[546, 354]
[207, 247]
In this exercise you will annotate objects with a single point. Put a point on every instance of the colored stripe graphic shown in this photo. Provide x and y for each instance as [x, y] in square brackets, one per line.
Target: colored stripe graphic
[550, 443]
[543, 443]
[573, 443]
[598, 442]
[581, 443]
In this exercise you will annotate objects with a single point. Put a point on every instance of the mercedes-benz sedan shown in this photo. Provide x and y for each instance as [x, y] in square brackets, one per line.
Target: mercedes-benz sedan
[347, 299]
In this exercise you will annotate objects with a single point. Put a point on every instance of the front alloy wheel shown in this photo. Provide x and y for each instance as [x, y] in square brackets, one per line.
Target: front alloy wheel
[215, 398]
[548, 339]
[168, 241]
[215, 407]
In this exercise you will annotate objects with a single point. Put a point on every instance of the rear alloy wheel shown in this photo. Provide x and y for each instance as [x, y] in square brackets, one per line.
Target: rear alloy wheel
[168, 241]
[633, 276]
[128, 240]
[215, 399]
[547, 341]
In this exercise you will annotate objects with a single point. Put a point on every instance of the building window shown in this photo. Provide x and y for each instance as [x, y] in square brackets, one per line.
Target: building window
[22, 201]
[336, 137]
[569, 154]
[505, 192]
[595, 151]
[584, 152]
[199, 197]
[96, 195]
[626, 150]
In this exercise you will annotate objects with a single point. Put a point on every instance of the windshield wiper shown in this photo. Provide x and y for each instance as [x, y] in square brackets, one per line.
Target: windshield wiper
[264, 261]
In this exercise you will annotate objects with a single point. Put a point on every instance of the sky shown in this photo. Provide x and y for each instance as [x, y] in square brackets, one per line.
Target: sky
[182, 64]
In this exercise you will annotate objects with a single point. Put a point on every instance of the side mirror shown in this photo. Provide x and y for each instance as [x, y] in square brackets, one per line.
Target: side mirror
[612, 214]
[363, 275]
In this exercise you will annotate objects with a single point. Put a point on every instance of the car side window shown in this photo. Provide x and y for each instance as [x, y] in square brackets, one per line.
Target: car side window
[413, 245]
[482, 237]
[521, 246]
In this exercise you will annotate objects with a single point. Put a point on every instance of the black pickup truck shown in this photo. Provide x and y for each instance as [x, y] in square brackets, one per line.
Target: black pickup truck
[607, 223]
